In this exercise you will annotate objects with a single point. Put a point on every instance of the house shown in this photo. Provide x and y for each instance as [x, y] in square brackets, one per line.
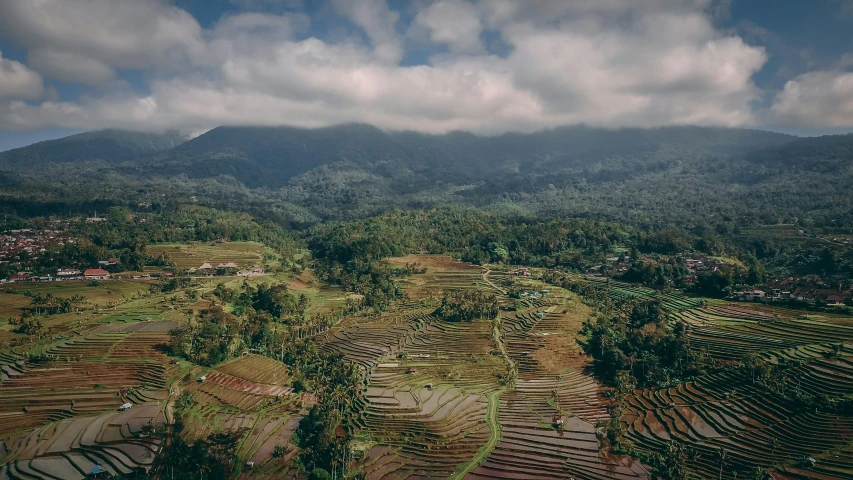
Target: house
[256, 271]
[202, 378]
[125, 407]
[112, 261]
[103, 262]
[20, 277]
[834, 300]
[68, 274]
[752, 295]
[206, 269]
[226, 268]
[96, 274]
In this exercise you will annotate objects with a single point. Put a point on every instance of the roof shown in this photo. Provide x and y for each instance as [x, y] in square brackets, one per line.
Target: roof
[205, 266]
[96, 271]
[97, 469]
[230, 265]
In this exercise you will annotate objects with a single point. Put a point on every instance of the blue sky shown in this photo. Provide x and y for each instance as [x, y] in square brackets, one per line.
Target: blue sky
[487, 66]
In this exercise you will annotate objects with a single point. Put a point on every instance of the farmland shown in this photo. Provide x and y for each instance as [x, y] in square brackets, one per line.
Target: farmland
[508, 397]
[193, 255]
[733, 423]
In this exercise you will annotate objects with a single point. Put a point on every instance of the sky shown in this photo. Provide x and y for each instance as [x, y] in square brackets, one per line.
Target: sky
[485, 66]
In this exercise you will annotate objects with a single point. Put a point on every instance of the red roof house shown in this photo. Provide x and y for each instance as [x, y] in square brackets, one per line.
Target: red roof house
[96, 274]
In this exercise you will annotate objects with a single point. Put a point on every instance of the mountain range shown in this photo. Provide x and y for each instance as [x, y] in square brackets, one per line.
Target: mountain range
[355, 170]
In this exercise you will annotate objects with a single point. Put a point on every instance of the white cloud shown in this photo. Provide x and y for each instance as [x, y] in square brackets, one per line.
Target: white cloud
[822, 98]
[17, 81]
[379, 23]
[601, 62]
[67, 36]
[453, 23]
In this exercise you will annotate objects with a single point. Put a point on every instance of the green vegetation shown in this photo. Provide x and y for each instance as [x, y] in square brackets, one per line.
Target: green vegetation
[466, 306]
[360, 351]
[644, 343]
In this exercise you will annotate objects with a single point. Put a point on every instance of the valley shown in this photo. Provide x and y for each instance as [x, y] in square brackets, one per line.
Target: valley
[510, 397]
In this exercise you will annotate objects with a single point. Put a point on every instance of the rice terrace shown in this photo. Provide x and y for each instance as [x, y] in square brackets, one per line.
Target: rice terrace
[109, 389]
[426, 239]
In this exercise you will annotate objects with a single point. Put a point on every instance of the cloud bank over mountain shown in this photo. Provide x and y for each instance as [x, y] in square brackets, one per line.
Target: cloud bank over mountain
[488, 66]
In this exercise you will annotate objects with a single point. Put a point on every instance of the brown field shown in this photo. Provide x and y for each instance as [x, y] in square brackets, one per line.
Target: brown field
[436, 262]
[184, 256]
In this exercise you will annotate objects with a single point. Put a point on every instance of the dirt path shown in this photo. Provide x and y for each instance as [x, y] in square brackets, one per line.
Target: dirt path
[174, 393]
[494, 438]
[486, 279]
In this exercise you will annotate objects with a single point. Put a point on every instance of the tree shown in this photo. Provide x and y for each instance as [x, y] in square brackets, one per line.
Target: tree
[672, 463]
[465, 306]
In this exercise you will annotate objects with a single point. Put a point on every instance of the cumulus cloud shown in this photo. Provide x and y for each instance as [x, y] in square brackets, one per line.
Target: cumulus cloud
[816, 98]
[67, 37]
[453, 23]
[17, 81]
[600, 62]
[379, 23]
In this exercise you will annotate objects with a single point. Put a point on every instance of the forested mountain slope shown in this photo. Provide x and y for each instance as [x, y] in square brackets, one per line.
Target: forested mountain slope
[111, 146]
[687, 177]
[271, 156]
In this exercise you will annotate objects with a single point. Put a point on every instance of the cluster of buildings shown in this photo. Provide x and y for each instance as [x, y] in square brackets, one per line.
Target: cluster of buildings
[28, 242]
[694, 264]
[230, 268]
[791, 289]
[208, 270]
[62, 274]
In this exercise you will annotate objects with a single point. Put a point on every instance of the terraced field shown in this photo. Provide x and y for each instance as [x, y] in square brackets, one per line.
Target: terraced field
[754, 426]
[244, 254]
[69, 449]
[439, 403]
[509, 398]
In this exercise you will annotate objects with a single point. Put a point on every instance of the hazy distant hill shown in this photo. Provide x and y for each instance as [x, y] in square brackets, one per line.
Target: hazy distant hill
[112, 146]
[829, 153]
[272, 156]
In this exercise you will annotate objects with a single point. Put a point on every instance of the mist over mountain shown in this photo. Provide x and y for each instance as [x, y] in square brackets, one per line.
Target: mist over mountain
[271, 156]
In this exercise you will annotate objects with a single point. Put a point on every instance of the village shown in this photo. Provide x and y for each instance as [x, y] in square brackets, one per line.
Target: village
[21, 251]
[685, 268]
[791, 289]
[97, 274]
[18, 245]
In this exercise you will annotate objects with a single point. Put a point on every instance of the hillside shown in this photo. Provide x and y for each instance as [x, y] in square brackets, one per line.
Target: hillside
[111, 146]
[689, 177]
[271, 156]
